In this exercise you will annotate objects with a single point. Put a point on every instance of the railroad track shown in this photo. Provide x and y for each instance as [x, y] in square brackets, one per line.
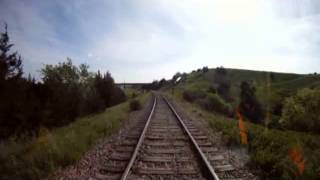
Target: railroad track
[165, 146]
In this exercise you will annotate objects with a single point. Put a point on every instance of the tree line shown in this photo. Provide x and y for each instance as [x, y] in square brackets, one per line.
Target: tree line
[65, 92]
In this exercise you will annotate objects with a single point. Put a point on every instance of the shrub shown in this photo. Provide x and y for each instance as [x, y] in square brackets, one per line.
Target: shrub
[208, 101]
[192, 95]
[269, 148]
[216, 103]
[135, 105]
[301, 112]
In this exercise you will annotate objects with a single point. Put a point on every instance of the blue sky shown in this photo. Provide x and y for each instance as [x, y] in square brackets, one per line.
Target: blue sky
[143, 40]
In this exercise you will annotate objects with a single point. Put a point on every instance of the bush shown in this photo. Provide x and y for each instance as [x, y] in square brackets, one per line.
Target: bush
[269, 148]
[208, 101]
[301, 112]
[135, 105]
[216, 103]
[192, 95]
[270, 151]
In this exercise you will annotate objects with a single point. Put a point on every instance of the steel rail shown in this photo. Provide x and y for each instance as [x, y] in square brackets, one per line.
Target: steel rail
[135, 153]
[211, 173]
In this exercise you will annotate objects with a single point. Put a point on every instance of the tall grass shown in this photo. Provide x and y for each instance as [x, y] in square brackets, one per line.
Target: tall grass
[34, 158]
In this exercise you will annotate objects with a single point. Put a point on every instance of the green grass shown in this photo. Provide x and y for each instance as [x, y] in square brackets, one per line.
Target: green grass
[35, 158]
[268, 148]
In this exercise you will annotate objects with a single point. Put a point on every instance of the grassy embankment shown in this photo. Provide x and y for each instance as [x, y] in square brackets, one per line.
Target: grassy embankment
[34, 158]
[269, 149]
[284, 83]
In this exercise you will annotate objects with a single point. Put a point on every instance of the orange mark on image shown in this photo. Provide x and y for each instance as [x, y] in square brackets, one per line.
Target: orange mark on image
[296, 156]
[242, 128]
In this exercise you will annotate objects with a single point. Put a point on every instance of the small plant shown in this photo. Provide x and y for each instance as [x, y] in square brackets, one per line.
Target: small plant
[135, 105]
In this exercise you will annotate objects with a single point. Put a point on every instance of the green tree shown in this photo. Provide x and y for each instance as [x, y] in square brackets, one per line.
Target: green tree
[62, 81]
[301, 112]
[108, 91]
[64, 73]
[249, 104]
[66, 92]
[10, 63]
[205, 69]
[84, 72]
[162, 82]
[11, 87]
[104, 85]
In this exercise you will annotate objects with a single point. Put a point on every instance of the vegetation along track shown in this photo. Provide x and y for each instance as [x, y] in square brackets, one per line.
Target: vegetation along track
[166, 147]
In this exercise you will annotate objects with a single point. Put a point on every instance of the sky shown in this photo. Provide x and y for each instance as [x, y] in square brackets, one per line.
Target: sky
[144, 40]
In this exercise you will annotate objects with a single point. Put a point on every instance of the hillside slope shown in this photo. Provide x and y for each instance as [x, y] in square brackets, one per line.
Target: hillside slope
[266, 83]
[269, 141]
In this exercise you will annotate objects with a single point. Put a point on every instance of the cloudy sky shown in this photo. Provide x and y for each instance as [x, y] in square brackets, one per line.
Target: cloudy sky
[143, 40]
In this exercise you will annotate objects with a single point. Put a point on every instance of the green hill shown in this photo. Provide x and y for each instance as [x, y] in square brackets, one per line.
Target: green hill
[266, 83]
[270, 140]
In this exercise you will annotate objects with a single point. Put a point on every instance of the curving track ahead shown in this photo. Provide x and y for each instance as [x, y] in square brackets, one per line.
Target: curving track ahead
[164, 146]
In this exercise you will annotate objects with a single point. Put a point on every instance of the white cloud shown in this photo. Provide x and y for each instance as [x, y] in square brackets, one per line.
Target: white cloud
[33, 36]
[137, 42]
[151, 39]
[249, 34]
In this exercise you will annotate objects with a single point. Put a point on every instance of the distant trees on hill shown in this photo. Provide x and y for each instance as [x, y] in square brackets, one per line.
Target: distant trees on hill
[66, 92]
[155, 85]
